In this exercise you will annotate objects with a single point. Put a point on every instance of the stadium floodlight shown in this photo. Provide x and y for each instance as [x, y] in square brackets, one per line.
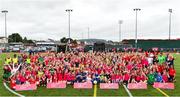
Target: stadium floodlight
[69, 11]
[136, 10]
[5, 27]
[120, 22]
[170, 11]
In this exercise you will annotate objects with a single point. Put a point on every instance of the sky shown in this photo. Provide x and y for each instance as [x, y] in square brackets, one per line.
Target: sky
[43, 19]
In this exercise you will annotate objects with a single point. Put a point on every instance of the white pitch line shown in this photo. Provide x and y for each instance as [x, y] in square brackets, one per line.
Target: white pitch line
[12, 90]
[127, 90]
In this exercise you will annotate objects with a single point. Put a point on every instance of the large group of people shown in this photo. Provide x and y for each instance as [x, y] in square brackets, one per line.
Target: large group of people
[99, 67]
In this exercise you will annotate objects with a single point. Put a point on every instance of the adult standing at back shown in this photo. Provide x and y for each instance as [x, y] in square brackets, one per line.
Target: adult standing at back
[161, 58]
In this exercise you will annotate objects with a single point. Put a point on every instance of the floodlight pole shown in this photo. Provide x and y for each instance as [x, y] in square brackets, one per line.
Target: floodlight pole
[170, 11]
[69, 22]
[136, 40]
[5, 27]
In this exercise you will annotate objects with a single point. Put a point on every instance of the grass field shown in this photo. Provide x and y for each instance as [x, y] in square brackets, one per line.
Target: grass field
[69, 91]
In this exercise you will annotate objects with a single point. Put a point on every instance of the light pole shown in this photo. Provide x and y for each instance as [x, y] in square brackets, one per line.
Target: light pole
[170, 11]
[5, 29]
[69, 11]
[136, 10]
[120, 22]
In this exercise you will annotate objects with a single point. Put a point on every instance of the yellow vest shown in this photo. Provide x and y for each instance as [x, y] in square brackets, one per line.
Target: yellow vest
[15, 60]
[28, 60]
[40, 74]
[8, 61]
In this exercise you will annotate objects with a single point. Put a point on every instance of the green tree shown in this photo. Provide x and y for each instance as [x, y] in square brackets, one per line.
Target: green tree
[30, 41]
[15, 37]
[65, 40]
[25, 40]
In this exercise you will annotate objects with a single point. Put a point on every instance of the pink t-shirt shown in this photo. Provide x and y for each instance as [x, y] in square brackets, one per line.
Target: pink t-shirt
[113, 76]
[126, 77]
[129, 66]
[120, 77]
[165, 78]
[139, 65]
[138, 78]
[144, 62]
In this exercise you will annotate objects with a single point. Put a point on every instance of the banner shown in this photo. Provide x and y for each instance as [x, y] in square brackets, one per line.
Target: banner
[56, 85]
[164, 85]
[86, 85]
[25, 87]
[137, 86]
[109, 86]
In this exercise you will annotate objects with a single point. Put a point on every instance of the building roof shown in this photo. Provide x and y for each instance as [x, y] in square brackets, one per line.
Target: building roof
[151, 39]
[16, 43]
[1, 37]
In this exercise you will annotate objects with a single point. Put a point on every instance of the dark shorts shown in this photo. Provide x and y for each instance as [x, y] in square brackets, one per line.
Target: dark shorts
[171, 78]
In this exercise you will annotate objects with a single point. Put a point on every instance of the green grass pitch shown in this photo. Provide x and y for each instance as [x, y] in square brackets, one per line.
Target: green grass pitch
[69, 91]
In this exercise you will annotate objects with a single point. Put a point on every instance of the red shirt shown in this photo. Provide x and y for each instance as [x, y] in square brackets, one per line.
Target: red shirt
[165, 78]
[32, 81]
[28, 72]
[65, 76]
[33, 73]
[37, 79]
[172, 72]
[55, 78]
[126, 77]
[139, 65]
[22, 78]
[113, 76]
[129, 66]
[127, 58]
[60, 76]
[160, 69]
[72, 77]
[12, 83]
[143, 78]
[46, 62]
[138, 78]
[146, 53]
[119, 77]
[99, 71]
[68, 77]
[144, 62]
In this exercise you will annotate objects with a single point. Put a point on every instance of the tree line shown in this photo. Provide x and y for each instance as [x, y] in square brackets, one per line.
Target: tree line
[16, 37]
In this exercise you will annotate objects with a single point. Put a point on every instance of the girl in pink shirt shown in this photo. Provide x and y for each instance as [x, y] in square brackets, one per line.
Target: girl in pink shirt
[113, 78]
[22, 79]
[119, 78]
[126, 78]
[129, 67]
[165, 77]
[138, 78]
[143, 78]
[66, 75]
[55, 78]
[60, 76]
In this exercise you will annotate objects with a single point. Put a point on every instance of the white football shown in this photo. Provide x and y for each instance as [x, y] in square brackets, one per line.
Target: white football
[95, 82]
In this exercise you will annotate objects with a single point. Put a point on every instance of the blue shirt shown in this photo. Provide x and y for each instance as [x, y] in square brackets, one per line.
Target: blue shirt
[159, 78]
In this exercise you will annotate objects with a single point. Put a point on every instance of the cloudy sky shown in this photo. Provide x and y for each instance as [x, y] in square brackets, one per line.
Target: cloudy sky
[43, 19]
